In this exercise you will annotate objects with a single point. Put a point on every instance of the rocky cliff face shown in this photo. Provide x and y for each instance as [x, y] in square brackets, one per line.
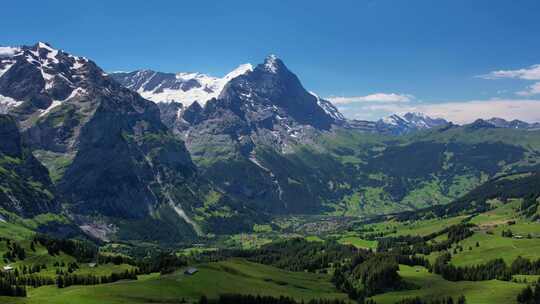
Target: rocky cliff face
[267, 106]
[260, 113]
[25, 186]
[106, 147]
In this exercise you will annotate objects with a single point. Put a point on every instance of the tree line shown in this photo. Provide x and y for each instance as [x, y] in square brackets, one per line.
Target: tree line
[296, 254]
[14, 251]
[81, 250]
[74, 279]
[10, 290]
[494, 269]
[410, 245]
[372, 273]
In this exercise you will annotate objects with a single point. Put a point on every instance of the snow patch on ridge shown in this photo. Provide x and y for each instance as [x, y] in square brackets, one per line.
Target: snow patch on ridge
[56, 103]
[8, 51]
[328, 107]
[210, 87]
[271, 64]
[7, 66]
[7, 103]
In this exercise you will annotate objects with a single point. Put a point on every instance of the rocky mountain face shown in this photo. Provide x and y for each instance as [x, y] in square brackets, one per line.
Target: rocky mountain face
[106, 147]
[25, 186]
[281, 109]
[48, 91]
[265, 111]
[267, 106]
[250, 140]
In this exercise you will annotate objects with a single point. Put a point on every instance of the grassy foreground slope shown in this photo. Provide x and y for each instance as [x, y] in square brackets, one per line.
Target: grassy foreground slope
[488, 235]
[232, 276]
[433, 286]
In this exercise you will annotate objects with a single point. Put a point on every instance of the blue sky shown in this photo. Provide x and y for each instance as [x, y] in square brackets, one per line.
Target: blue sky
[432, 56]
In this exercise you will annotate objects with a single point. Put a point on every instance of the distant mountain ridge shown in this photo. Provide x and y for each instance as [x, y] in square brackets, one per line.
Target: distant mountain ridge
[184, 88]
[409, 122]
[513, 124]
[398, 124]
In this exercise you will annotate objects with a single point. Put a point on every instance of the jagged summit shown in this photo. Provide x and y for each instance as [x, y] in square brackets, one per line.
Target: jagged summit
[264, 106]
[41, 76]
[272, 63]
[269, 85]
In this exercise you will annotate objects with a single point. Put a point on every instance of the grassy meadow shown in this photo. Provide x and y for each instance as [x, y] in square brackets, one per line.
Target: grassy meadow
[232, 276]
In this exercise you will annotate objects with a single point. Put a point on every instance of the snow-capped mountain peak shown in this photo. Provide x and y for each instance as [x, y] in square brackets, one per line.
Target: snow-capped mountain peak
[41, 73]
[185, 88]
[411, 121]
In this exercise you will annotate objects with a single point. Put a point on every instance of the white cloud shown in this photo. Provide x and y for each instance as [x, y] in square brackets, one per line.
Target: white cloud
[531, 90]
[457, 112]
[530, 73]
[377, 97]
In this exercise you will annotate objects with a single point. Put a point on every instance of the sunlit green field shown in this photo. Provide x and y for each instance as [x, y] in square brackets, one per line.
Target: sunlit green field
[358, 242]
[233, 276]
[240, 276]
[494, 246]
[40, 256]
[491, 243]
[431, 285]
[422, 227]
